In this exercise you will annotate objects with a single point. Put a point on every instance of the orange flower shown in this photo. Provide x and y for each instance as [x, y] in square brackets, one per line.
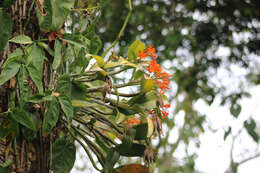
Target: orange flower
[167, 106]
[133, 121]
[142, 54]
[165, 113]
[151, 50]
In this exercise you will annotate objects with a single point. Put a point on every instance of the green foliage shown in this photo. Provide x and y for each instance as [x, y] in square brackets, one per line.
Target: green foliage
[21, 39]
[57, 54]
[23, 117]
[134, 49]
[250, 126]
[56, 14]
[34, 65]
[66, 107]
[9, 71]
[51, 116]
[6, 25]
[111, 159]
[64, 155]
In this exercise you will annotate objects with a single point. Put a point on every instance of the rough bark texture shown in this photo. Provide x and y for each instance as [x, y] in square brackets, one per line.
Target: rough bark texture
[20, 155]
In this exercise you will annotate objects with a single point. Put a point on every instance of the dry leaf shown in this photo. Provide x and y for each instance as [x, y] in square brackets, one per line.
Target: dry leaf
[12, 82]
[134, 168]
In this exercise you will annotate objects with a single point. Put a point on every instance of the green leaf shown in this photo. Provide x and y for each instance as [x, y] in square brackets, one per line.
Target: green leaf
[150, 127]
[8, 126]
[227, 133]
[111, 159]
[126, 111]
[46, 47]
[77, 40]
[51, 116]
[78, 91]
[57, 54]
[141, 131]
[23, 85]
[63, 155]
[64, 84]
[57, 12]
[147, 85]
[38, 98]
[3, 170]
[66, 107]
[100, 60]
[132, 150]
[119, 117]
[95, 44]
[15, 56]
[145, 101]
[134, 49]
[22, 117]
[6, 25]
[121, 62]
[9, 71]
[35, 66]
[80, 62]
[28, 133]
[235, 109]
[138, 74]
[21, 39]
[250, 126]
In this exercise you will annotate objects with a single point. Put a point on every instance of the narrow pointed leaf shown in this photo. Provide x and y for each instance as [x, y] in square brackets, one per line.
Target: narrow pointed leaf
[66, 106]
[51, 116]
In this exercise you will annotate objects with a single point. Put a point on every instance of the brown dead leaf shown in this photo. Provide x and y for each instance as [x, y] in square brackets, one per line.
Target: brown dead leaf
[12, 82]
[134, 168]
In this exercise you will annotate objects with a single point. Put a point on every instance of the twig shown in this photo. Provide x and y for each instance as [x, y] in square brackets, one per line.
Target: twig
[121, 31]
[249, 158]
[86, 150]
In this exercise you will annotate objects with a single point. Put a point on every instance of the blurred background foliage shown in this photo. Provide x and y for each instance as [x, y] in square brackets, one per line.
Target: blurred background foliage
[196, 40]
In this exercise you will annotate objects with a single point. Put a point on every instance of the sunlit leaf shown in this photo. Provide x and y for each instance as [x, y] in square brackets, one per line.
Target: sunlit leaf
[147, 84]
[21, 39]
[100, 60]
[150, 127]
[134, 49]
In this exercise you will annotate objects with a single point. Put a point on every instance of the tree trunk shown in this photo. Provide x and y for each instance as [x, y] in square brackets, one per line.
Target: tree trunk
[17, 154]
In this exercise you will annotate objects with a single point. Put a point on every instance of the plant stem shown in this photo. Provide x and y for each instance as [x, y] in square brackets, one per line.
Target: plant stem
[121, 31]
[86, 150]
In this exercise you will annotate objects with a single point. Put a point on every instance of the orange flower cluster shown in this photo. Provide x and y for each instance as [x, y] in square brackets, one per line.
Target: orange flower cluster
[133, 121]
[153, 67]
[161, 78]
[164, 113]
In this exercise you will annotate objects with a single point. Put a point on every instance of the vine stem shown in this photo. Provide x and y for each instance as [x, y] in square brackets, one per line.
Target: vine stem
[86, 150]
[122, 29]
